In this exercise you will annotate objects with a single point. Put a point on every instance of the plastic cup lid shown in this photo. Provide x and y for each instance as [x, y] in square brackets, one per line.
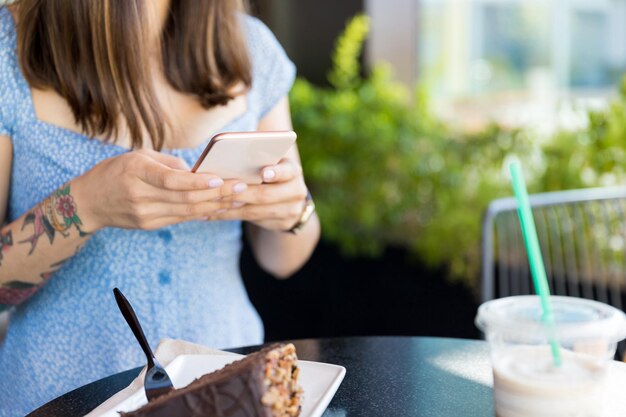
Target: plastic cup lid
[573, 317]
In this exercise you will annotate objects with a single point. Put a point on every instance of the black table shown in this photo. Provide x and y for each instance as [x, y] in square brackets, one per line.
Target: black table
[386, 376]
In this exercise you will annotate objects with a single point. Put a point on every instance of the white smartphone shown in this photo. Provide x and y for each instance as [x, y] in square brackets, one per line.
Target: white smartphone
[242, 155]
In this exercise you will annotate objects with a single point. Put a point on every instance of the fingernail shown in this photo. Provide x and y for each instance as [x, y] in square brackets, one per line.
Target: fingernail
[220, 211]
[239, 188]
[269, 174]
[216, 182]
[237, 204]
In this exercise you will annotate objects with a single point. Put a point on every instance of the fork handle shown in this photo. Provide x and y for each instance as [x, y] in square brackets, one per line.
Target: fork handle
[133, 323]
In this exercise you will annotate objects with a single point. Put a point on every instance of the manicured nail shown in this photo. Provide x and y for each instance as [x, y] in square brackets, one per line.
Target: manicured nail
[237, 204]
[269, 174]
[216, 182]
[239, 188]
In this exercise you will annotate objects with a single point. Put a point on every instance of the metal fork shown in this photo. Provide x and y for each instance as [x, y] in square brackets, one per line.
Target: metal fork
[157, 382]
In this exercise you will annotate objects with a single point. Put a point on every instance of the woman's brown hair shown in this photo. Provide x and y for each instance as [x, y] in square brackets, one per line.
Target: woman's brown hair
[94, 54]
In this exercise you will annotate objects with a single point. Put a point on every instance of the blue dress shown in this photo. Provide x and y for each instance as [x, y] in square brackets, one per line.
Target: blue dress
[183, 280]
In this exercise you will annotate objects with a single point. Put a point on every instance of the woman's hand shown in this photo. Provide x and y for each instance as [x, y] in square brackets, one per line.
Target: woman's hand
[146, 189]
[276, 204]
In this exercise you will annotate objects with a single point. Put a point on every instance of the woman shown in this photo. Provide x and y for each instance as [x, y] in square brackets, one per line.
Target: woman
[104, 105]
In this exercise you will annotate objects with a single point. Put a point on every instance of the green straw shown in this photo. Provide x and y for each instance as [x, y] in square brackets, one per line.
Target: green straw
[534, 256]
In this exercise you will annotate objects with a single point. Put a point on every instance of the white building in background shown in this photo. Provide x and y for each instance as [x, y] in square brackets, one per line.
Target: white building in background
[535, 63]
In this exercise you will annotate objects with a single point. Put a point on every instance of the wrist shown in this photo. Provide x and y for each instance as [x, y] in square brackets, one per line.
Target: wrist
[86, 212]
[308, 212]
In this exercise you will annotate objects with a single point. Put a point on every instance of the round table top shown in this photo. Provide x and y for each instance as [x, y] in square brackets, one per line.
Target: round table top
[399, 376]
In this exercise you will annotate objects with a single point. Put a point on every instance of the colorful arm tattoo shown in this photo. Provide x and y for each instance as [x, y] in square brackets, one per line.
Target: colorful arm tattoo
[56, 214]
[16, 292]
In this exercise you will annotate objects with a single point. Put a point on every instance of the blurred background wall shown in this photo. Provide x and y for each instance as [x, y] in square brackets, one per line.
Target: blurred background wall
[519, 62]
[307, 30]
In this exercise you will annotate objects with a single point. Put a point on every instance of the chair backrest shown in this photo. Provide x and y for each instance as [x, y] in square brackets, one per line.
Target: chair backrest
[582, 234]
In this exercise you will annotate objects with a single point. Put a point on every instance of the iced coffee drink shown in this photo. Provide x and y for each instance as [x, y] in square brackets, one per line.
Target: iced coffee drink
[527, 382]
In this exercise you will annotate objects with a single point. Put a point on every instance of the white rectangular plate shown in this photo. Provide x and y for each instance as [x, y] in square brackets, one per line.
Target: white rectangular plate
[319, 381]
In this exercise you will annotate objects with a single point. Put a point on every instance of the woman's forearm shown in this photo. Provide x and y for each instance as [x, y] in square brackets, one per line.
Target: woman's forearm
[38, 243]
[282, 254]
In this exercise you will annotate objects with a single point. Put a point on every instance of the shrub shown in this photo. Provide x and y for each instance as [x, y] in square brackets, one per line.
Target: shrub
[383, 171]
[595, 156]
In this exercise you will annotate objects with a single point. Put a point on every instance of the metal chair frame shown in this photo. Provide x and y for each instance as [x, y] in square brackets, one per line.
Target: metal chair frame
[509, 204]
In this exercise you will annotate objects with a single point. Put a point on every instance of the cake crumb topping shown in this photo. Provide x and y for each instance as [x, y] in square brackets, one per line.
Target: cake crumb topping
[284, 394]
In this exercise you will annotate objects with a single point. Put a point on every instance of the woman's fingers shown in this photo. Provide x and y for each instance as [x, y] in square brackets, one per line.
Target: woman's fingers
[191, 196]
[142, 188]
[188, 211]
[160, 222]
[161, 176]
[271, 193]
[171, 161]
[286, 213]
[171, 193]
[170, 179]
[285, 170]
[149, 216]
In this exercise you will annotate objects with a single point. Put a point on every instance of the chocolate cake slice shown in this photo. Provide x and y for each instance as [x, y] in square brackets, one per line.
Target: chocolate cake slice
[263, 384]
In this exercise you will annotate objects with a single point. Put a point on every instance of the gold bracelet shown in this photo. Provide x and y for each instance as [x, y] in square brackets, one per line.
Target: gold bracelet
[307, 213]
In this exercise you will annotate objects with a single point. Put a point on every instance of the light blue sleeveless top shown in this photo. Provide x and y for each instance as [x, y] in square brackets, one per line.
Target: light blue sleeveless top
[183, 280]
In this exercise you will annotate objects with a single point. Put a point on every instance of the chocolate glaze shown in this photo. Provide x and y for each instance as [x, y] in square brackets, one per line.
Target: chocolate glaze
[233, 391]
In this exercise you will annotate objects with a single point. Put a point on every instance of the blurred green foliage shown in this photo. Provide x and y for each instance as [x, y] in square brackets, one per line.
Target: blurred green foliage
[595, 156]
[383, 171]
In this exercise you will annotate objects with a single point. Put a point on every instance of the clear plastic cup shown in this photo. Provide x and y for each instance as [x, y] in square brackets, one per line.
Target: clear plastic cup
[526, 382]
